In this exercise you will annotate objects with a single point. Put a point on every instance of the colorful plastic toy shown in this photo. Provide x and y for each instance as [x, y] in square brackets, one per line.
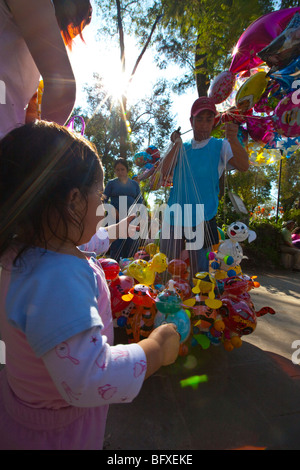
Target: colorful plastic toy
[140, 321]
[230, 253]
[169, 310]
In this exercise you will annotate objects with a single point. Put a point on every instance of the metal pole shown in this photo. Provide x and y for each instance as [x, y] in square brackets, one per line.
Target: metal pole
[279, 188]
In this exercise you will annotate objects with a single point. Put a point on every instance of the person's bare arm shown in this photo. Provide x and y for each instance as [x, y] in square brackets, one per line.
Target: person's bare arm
[169, 161]
[161, 347]
[240, 159]
[37, 22]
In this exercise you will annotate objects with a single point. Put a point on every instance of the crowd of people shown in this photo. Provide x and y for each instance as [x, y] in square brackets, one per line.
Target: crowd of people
[62, 368]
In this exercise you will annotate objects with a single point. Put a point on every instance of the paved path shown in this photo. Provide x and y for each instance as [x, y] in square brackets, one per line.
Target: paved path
[251, 397]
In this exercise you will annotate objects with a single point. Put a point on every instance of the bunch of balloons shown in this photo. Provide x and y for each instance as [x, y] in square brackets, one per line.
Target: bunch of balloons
[217, 310]
[144, 272]
[230, 316]
[147, 161]
[259, 91]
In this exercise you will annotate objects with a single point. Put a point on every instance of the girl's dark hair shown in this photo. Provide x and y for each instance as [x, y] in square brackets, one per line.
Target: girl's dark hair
[121, 161]
[296, 230]
[40, 163]
[72, 17]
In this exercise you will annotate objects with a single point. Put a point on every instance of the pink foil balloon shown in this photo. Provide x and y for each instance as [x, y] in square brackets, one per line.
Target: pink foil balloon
[287, 116]
[259, 128]
[257, 36]
[221, 87]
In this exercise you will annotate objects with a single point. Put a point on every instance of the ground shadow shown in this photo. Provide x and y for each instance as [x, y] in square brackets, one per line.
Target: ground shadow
[242, 398]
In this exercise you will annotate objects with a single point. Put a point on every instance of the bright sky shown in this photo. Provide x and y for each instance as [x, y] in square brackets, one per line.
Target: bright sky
[103, 57]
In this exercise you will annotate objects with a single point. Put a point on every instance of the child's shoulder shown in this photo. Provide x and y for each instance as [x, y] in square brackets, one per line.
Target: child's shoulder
[44, 264]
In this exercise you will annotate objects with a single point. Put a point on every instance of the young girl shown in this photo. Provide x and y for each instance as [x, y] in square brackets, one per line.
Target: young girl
[61, 369]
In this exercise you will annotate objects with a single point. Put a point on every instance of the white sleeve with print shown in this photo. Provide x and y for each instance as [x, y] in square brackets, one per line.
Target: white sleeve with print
[98, 244]
[88, 372]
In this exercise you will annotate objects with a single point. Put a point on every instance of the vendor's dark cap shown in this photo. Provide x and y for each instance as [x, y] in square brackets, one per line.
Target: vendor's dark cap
[203, 104]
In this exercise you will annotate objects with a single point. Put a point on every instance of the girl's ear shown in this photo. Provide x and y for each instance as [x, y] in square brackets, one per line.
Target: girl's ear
[74, 199]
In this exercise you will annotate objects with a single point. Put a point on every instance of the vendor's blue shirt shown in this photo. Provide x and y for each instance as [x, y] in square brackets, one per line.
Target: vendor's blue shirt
[196, 181]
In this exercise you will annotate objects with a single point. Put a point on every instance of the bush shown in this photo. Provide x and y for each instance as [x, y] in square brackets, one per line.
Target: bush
[264, 251]
[293, 214]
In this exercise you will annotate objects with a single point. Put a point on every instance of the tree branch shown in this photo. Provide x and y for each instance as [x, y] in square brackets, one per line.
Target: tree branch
[145, 46]
[121, 34]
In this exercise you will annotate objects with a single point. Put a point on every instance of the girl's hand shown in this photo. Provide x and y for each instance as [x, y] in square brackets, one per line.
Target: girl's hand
[122, 229]
[169, 340]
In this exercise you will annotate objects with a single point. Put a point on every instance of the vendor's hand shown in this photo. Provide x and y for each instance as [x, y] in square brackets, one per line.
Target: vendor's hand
[176, 137]
[231, 131]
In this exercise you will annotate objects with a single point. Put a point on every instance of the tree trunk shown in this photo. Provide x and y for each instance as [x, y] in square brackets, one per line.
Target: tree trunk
[123, 104]
[202, 79]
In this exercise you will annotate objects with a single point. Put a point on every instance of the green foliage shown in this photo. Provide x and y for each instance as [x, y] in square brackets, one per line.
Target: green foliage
[290, 181]
[202, 34]
[264, 251]
[226, 214]
[293, 214]
[253, 187]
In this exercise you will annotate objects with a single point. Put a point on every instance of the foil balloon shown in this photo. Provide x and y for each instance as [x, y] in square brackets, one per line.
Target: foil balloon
[268, 101]
[154, 152]
[146, 171]
[141, 158]
[260, 128]
[287, 76]
[251, 91]
[285, 47]
[287, 116]
[221, 87]
[257, 36]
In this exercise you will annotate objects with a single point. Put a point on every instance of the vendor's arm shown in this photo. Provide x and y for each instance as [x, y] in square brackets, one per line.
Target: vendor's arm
[240, 159]
[38, 25]
[170, 159]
